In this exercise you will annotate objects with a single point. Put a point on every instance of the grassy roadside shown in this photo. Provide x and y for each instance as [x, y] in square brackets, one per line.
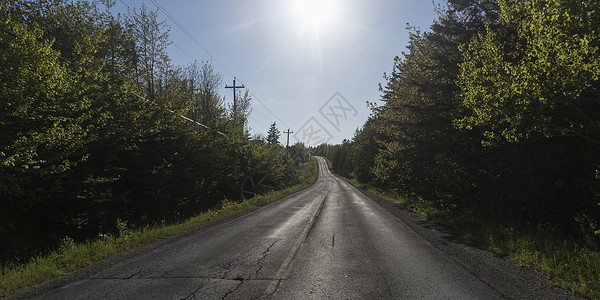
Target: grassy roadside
[565, 262]
[73, 256]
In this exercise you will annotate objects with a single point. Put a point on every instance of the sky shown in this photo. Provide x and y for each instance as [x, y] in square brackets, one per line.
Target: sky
[310, 65]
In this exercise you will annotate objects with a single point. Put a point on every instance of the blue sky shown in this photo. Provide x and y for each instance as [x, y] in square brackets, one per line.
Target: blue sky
[311, 65]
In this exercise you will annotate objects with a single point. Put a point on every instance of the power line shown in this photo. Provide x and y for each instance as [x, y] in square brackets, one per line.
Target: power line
[189, 35]
[255, 120]
[258, 111]
[128, 9]
[186, 32]
[234, 87]
[259, 123]
[267, 108]
[184, 52]
[287, 145]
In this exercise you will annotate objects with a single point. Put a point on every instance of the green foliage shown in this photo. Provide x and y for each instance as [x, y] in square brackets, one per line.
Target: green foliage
[537, 75]
[71, 256]
[81, 147]
[532, 81]
[33, 83]
[341, 160]
[151, 41]
[493, 116]
[124, 230]
[273, 134]
[409, 143]
[298, 153]
[478, 72]
[364, 150]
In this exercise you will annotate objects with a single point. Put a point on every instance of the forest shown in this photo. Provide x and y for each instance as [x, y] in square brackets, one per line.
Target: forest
[97, 125]
[494, 114]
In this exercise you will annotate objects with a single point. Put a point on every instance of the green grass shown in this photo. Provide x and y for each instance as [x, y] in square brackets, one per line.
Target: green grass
[561, 260]
[73, 256]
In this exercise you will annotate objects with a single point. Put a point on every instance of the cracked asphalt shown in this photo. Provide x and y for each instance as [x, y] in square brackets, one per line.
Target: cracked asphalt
[329, 241]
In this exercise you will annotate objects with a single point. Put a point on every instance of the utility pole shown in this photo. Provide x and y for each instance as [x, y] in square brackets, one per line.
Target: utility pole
[234, 94]
[287, 145]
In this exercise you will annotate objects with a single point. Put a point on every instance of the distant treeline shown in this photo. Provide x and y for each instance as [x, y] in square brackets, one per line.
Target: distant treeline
[90, 127]
[494, 112]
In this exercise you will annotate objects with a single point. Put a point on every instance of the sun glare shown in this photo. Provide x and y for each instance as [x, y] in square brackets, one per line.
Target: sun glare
[319, 22]
[317, 13]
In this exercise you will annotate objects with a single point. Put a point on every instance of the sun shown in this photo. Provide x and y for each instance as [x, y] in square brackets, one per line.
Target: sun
[316, 13]
[319, 24]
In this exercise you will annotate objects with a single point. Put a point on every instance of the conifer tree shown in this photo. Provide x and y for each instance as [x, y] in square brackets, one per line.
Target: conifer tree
[273, 135]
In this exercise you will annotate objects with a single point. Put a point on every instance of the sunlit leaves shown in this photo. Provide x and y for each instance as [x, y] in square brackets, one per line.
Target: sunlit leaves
[32, 86]
[537, 75]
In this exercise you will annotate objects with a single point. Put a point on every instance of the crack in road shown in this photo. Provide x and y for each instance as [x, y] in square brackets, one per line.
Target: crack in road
[227, 268]
[272, 288]
[202, 284]
[241, 281]
[185, 277]
[260, 261]
[133, 274]
[333, 241]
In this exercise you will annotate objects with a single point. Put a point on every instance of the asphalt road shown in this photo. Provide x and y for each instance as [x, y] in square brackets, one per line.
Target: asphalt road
[329, 241]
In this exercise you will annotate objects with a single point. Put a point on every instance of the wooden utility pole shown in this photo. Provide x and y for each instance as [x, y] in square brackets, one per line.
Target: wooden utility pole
[287, 145]
[234, 94]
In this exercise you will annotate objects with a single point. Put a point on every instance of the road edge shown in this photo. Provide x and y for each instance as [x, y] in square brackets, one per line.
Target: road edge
[498, 272]
[141, 250]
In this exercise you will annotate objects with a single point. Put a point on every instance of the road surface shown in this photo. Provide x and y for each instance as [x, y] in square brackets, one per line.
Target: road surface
[329, 241]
